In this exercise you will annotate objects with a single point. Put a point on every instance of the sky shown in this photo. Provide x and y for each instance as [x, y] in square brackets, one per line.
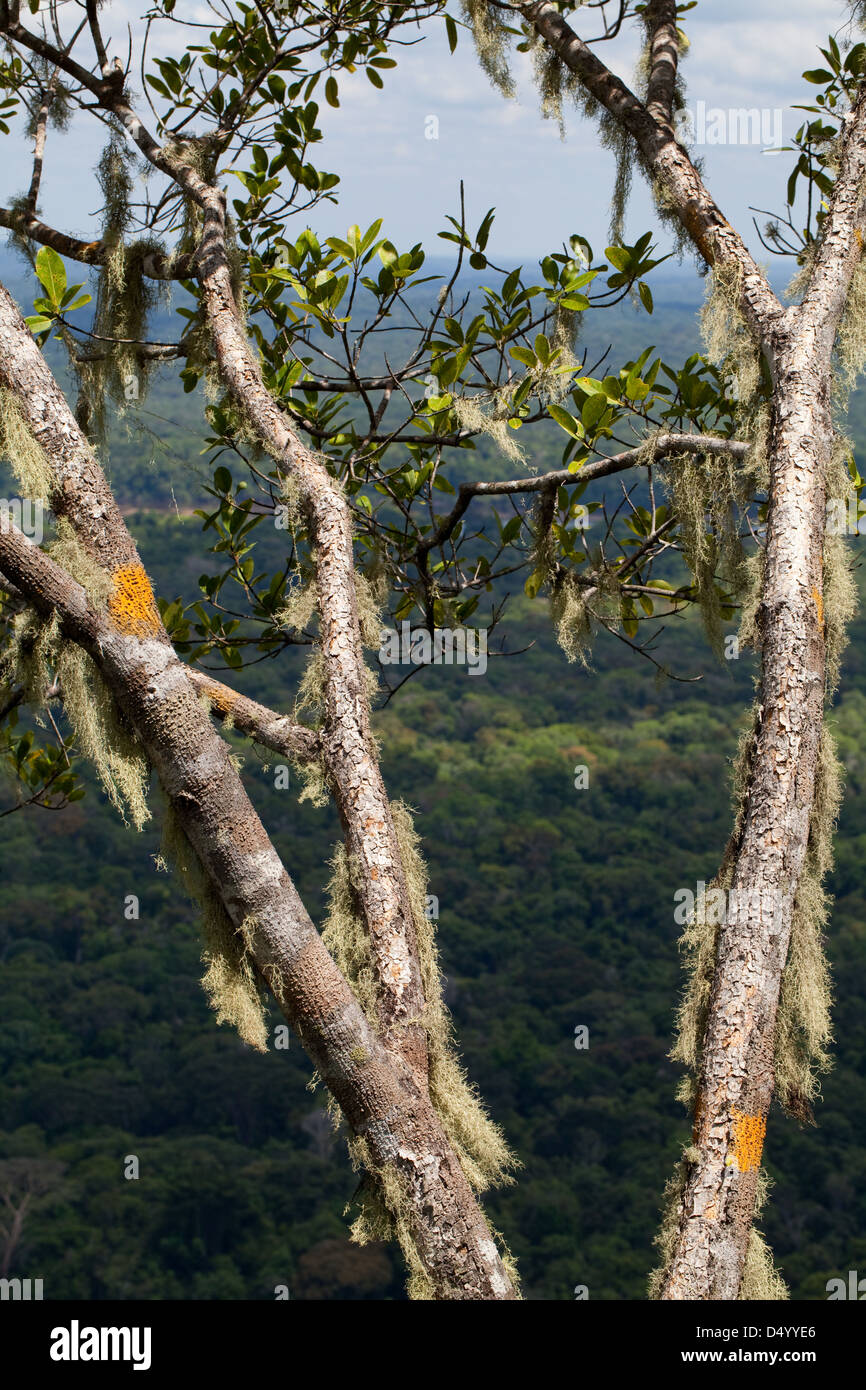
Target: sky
[743, 55]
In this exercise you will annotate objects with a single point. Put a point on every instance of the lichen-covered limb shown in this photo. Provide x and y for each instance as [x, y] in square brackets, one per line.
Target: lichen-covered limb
[665, 158]
[264, 725]
[348, 748]
[377, 1091]
[73, 483]
[599, 468]
[840, 249]
[385, 1101]
[737, 1068]
[26, 223]
[78, 490]
[660, 18]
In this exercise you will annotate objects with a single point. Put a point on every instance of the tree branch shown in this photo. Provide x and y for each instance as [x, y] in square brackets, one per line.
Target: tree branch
[600, 468]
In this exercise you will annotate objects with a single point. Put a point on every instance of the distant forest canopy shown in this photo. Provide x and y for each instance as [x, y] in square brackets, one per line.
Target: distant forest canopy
[556, 913]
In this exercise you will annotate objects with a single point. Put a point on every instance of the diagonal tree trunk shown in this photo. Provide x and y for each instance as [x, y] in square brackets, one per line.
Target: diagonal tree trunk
[384, 1099]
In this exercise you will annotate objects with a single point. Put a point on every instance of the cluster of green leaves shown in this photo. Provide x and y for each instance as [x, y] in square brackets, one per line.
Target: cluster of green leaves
[11, 77]
[59, 298]
[814, 169]
[239, 607]
[38, 771]
[44, 772]
[392, 385]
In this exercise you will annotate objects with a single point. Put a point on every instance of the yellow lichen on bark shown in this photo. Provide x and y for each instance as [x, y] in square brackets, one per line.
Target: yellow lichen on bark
[749, 1131]
[131, 604]
[819, 605]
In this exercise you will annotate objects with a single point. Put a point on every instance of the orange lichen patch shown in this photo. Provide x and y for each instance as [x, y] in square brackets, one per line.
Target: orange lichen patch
[222, 700]
[819, 604]
[749, 1131]
[132, 605]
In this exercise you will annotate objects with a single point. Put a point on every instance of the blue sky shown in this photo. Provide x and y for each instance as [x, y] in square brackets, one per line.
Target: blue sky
[742, 55]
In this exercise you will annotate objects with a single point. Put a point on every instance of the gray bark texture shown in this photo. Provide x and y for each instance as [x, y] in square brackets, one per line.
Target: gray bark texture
[737, 1077]
[383, 1097]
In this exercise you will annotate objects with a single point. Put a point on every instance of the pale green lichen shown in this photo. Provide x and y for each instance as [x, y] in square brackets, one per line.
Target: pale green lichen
[230, 981]
[479, 1143]
[761, 1281]
[24, 454]
[489, 30]
[36, 653]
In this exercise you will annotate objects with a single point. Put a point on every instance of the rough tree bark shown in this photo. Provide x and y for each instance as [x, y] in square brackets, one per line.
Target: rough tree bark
[385, 1096]
[737, 1079]
[384, 1099]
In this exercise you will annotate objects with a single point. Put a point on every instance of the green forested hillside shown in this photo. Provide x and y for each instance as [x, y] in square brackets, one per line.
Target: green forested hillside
[556, 910]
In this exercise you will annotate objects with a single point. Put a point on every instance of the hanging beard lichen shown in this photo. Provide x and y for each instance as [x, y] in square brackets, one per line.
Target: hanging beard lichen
[477, 1141]
[491, 43]
[578, 608]
[25, 456]
[851, 335]
[492, 420]
[803, 1030]
[666, 1236]
[730, 345]
[116, 369]
[709, 494]
[229, 981]
[38, 650]
[761, 1280]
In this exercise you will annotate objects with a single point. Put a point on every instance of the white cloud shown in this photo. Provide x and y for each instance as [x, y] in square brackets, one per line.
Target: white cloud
[507, 156]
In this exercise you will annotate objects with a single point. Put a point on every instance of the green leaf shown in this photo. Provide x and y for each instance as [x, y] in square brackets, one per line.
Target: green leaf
[522, 354]
[618, 256]
[52, 274]
[331, 90]
[566, 421]
[451, 31]
[38, 324]
[819, 76]
[158, 86]
[593, 410]
[534, 582]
